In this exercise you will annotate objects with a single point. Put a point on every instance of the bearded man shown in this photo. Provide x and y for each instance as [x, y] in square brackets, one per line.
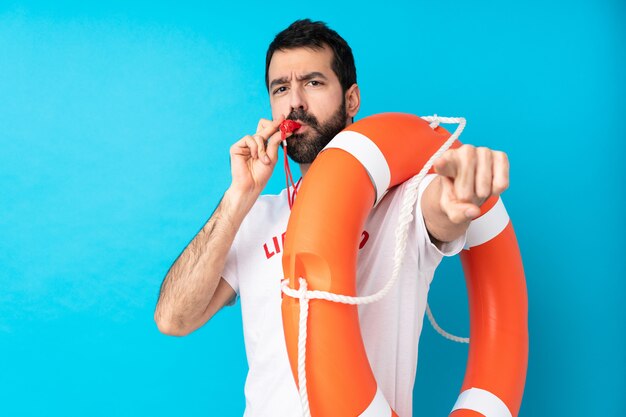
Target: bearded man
[311, 78]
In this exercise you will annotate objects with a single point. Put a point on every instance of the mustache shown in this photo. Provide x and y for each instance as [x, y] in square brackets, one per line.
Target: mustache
[299, 114]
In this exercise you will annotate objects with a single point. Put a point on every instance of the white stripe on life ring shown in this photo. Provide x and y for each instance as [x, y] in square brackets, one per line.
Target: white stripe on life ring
[378, 407]
[483, 402]
[369, 155]
[487, 226]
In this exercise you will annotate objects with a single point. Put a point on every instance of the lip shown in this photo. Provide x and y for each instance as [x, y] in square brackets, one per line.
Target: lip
[303, 126]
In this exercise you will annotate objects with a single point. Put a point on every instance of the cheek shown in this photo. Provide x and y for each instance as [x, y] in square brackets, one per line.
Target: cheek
[322, 115]
[279, 110]
[325, 107]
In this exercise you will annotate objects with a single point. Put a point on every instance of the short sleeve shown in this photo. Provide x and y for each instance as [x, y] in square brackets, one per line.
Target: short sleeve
[448, 248]
[230, 272]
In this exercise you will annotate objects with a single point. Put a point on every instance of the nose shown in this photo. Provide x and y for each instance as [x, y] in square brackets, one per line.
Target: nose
[297, 99]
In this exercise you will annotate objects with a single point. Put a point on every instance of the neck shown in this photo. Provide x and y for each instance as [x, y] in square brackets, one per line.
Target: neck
[304, 168]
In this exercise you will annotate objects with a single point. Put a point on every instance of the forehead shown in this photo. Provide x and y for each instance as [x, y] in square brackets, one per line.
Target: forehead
[286, 62]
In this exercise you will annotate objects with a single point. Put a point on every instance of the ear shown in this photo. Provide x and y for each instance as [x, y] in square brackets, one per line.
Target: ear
[353, 100]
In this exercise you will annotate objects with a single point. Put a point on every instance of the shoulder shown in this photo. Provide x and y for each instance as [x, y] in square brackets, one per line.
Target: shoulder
[270, 202]
[391, 200]
[268, 209]
[390, 207]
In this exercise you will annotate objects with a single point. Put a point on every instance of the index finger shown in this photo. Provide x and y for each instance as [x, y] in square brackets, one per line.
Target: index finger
[271, 128]
[445, 166]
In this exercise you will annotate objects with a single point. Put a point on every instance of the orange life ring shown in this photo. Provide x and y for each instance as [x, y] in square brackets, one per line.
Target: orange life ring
[345, 181]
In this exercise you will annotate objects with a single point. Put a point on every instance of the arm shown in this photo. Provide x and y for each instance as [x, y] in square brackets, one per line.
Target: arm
[468, 176]
[193, 290]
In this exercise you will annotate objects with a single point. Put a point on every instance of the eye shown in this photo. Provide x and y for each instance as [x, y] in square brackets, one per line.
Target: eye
[279, 90]
[315, 83]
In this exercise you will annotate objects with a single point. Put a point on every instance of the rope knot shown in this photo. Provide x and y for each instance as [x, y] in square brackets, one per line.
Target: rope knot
[300, 293]
[435, 121]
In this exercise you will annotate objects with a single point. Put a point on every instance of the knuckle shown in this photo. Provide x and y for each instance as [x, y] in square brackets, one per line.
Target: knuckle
[448, 154]
[484, 152]
[483, 193]
[262, 123]
[500, 186]
[467, 153]
[465, 195]
[450, 213]
[457, 218]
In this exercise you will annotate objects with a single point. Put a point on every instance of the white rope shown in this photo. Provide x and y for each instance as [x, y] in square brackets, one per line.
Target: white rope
[404, 219]
[442, 332]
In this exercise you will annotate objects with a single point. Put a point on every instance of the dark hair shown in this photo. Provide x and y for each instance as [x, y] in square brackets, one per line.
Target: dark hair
[315, 35]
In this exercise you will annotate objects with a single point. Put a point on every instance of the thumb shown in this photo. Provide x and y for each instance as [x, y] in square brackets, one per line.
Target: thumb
[459, 212]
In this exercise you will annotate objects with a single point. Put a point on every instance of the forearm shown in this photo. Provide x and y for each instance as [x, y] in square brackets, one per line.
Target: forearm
[440, 228]
[191, 281]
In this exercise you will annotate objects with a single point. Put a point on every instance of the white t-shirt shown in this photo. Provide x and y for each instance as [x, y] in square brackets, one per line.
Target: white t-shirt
[254, 270]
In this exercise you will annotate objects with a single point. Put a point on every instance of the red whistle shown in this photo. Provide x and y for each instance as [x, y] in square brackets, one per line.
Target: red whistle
[288, 126]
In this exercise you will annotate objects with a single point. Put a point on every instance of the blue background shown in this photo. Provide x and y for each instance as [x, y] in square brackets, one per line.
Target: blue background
[115, 125]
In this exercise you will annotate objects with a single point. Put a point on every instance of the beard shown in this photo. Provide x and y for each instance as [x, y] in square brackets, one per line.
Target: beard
[304, 147]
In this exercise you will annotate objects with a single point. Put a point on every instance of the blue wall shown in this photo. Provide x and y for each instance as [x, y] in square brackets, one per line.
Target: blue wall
[115, 124]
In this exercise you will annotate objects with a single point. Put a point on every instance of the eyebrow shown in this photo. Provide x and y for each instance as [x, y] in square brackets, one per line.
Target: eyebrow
[305, 77]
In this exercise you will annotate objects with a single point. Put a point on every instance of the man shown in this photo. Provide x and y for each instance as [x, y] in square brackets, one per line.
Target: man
[311, 78]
